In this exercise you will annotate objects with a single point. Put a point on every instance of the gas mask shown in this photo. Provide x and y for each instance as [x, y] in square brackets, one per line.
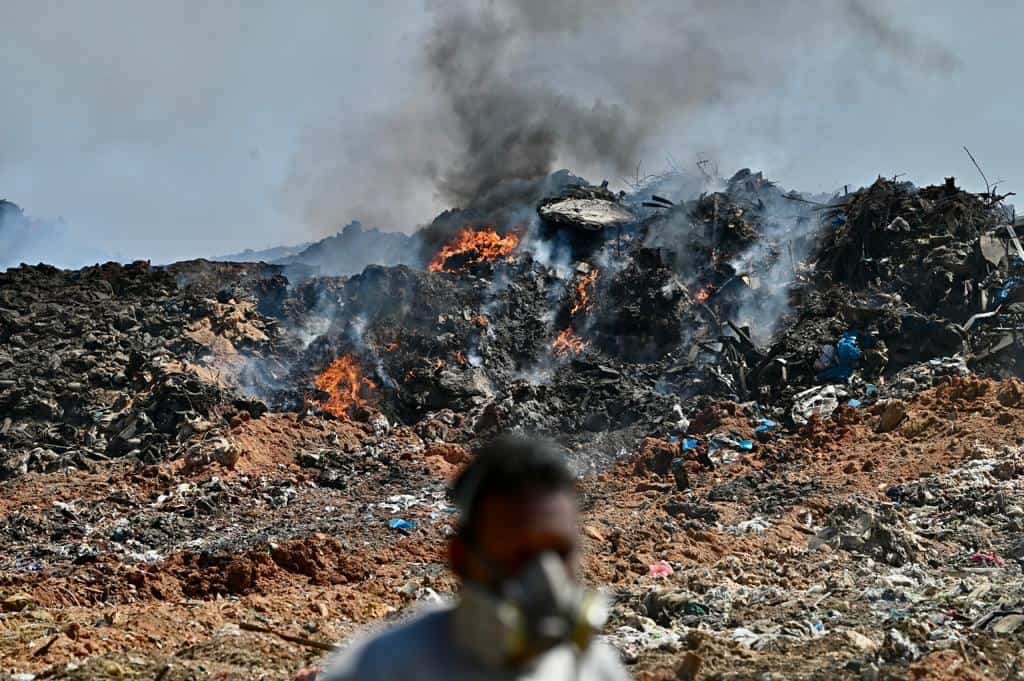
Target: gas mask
[530, 613]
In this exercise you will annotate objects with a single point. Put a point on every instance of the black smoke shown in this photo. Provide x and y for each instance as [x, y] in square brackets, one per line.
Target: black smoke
[513, 89]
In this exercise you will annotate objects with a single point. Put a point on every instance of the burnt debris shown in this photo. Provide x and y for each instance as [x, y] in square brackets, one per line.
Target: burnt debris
[747, 293]
[711, 349]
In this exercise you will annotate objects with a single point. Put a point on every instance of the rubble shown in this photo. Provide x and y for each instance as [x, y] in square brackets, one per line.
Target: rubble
[795, 459]
[586, 213]
[893, 413]
[117, 361]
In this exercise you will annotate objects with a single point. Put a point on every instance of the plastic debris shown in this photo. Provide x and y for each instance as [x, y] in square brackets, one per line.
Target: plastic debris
[819, 401]
[729, 441]
[660, 569]
[988, 559]
[402, 525]
[682, 424]
[844, 360]
[755, 525]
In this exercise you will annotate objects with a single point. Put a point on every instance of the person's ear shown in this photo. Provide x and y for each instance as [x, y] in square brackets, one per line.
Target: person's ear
[458, 556]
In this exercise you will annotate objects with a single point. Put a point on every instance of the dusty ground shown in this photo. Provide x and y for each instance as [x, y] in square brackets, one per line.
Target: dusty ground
[261, 544]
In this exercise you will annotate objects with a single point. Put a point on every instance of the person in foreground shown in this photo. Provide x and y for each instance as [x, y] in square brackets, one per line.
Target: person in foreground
[520, 614]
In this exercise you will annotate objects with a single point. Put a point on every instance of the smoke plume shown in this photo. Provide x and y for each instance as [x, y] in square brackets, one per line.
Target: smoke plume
[24, 239]
[254, 125]
[516, 88]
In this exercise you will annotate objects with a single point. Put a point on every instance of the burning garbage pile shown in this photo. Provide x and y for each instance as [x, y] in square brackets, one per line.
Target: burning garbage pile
[473, 247]
[786, 385]
[747, 293]
[568, 343]
[345, 386]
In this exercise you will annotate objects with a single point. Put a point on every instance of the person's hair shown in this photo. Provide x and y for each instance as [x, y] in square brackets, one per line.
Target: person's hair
[509, 465]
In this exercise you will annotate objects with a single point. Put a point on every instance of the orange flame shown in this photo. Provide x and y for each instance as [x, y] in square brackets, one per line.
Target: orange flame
[702, 295]
[474, 246]
[461, 357]
[568, 342]
[390, 347]
[583, 287]
[346, 386]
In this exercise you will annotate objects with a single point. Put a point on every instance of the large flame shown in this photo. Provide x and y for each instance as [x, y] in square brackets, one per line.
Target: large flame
[473, 246]
[568, 343]
[584, 286]
[346, 386]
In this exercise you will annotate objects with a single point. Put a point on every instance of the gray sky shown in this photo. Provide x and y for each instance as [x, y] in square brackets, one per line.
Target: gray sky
[174, 130]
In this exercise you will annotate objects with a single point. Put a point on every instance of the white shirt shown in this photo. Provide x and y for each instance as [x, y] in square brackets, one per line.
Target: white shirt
[424, 649]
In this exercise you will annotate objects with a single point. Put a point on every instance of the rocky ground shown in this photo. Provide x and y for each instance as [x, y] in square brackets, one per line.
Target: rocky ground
[799, 456]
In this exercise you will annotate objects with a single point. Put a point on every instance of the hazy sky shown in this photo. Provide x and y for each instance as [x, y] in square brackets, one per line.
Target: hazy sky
[172, 130]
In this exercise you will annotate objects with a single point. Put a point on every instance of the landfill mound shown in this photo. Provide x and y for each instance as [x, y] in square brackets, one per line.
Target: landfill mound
[796, 420]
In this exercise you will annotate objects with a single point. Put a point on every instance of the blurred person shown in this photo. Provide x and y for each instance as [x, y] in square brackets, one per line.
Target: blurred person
[521, 613]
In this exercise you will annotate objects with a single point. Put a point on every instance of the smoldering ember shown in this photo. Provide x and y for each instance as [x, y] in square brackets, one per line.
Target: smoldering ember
[797, 422]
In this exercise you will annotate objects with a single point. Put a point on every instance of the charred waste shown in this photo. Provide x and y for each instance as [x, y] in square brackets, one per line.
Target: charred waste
[671, 335]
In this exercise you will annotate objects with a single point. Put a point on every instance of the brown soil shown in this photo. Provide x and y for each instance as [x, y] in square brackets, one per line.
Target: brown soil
[184, 609]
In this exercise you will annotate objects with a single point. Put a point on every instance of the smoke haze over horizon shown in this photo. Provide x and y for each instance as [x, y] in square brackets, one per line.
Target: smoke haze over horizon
[168, 132]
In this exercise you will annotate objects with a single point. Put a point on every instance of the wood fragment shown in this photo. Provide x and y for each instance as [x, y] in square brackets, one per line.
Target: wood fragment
[309, 643]
[42, 650]
[988, 189]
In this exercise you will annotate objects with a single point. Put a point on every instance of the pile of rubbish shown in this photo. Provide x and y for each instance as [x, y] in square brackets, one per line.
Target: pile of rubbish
[795, 417]
[119, 361]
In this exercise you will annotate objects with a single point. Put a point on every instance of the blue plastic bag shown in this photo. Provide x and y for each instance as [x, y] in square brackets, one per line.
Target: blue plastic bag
[402, 524]
[1011, 284]
[847, 354]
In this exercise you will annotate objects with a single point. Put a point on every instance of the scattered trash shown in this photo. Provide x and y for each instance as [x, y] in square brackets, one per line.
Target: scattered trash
[893, 413]
[660, 569]
[755, 525]
[843, 361]
[729, 441]
[1001, 620]
[682, 423]
[819, 401]
[988, 559]
[144, 378]
[402, 525]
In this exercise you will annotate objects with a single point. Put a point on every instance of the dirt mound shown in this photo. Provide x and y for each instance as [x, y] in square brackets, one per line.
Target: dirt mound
[322, 560]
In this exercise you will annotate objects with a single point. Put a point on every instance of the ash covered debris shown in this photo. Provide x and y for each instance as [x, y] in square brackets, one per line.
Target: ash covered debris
[748, 293]
[114, 361]
[744, 364]
[585, 207]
